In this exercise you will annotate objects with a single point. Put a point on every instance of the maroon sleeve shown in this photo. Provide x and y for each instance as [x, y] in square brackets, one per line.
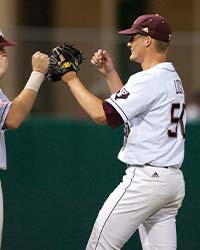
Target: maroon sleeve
[113, 118]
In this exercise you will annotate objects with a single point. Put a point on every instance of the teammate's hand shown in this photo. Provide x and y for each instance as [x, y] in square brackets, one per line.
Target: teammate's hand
[40, 62]
[103, 61]
[3, 64]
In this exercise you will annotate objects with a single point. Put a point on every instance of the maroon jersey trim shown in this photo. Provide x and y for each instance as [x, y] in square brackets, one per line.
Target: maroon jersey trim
[113, 118]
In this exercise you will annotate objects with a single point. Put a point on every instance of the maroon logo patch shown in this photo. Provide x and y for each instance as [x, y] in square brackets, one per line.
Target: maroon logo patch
[2, 103]
[122, 94]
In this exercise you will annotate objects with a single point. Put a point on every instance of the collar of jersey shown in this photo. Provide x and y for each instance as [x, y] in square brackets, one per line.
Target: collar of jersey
[165, 65]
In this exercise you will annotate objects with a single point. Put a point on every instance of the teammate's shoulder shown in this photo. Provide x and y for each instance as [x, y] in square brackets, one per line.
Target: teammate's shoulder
[3, 97]
[2, 93]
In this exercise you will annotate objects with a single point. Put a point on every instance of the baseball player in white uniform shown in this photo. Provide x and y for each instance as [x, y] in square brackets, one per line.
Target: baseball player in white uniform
[151, 105]
[12, 113]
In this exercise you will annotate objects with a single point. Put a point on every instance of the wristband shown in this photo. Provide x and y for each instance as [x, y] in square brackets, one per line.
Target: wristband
[35, 80]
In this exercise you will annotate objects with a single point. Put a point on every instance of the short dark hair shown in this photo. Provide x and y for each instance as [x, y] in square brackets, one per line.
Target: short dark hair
[161, 46]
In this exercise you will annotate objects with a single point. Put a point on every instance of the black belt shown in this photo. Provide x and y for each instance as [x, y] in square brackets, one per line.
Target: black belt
[147, 164]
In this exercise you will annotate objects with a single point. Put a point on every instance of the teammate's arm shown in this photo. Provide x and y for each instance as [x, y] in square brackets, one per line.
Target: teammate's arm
[89, 102]
[103, 61]
[23, 103]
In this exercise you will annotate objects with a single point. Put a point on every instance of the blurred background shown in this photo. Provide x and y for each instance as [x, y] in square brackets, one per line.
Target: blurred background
[61, 166]
[41, 25]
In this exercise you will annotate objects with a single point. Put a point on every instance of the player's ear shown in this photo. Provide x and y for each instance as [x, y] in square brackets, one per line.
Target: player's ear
[148, 41]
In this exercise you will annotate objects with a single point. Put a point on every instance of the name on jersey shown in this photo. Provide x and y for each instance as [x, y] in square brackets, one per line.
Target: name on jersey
[178, 86]
[122, 94]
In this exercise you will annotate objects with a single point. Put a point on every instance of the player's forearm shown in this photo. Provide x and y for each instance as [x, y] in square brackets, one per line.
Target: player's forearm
[114, 82]
[89, 102]
[23, 103]
[20, 108]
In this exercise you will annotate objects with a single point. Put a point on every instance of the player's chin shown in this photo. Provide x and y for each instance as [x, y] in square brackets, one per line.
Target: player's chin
[132, 58]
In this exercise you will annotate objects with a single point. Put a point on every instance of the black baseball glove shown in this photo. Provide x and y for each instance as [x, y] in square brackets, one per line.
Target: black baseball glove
[73, 58]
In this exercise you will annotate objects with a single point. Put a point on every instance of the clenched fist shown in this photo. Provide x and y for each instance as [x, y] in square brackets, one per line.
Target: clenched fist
[40, 62]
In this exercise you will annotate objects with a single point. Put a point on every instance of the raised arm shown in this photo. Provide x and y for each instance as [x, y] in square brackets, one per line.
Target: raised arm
[103, 61]
[64, 64]
[23, 103]
[89, 102]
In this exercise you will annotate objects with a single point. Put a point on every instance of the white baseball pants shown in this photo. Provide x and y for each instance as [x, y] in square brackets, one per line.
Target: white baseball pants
[147, 199]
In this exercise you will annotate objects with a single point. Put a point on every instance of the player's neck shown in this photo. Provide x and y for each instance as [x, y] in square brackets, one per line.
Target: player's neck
[151, 61]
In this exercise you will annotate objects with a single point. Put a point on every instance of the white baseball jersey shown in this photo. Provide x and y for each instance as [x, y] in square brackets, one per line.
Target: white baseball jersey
[4, 108]
[152, 106]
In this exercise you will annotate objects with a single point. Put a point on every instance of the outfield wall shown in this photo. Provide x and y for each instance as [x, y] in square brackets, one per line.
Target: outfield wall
[59, 174]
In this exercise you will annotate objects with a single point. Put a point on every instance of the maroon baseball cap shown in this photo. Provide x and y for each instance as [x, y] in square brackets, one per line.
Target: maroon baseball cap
[4, 42]
[152, 25]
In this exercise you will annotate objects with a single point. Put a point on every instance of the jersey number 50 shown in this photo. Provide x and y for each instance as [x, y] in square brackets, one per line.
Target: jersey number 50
[177, 120]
